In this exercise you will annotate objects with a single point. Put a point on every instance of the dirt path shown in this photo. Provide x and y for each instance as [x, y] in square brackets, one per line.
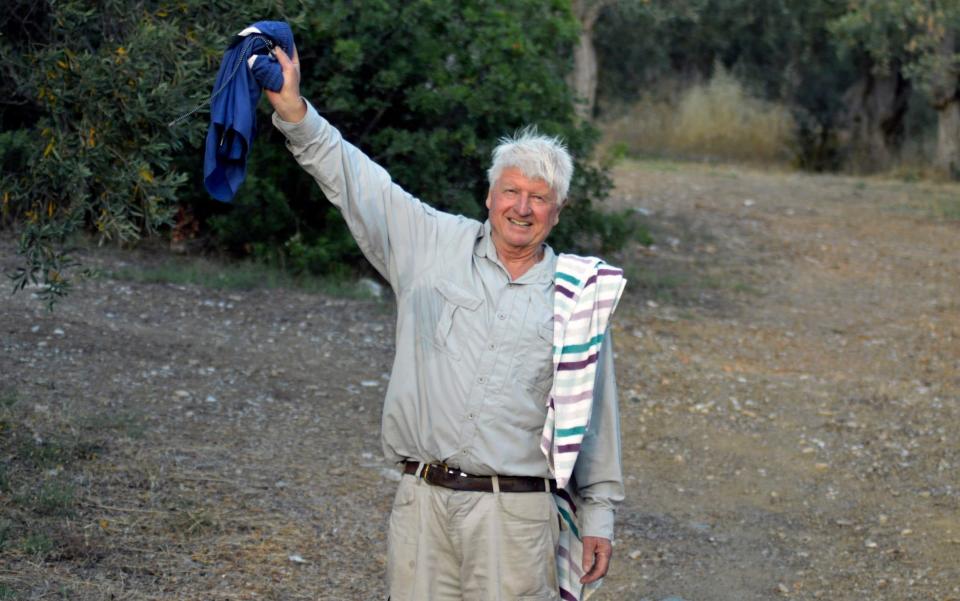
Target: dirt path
[789, 362]
[800, 439]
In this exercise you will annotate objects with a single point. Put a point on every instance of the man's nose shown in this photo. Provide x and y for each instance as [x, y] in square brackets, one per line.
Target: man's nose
[523, 206]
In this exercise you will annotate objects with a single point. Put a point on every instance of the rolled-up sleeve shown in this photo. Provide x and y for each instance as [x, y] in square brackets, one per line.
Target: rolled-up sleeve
[598, 471]
[396, 232]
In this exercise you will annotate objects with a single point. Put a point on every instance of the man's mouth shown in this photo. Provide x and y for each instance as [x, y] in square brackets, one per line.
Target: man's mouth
[518, 222]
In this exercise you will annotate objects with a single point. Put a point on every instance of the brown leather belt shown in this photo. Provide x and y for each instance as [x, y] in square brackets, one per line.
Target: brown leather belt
[448, 477]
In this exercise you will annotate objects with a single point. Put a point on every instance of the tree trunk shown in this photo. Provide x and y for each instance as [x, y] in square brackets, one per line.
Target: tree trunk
[874, 120]
[585, 73]
[948, 138]
[583, 80]
[945, 92]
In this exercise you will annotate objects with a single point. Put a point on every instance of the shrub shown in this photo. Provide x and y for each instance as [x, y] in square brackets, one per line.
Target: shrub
[716, 120]
[425, 88]
[86, 145]
[721, 119]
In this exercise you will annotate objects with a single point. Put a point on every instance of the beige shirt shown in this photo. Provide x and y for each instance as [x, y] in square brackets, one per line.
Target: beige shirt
[473, 364]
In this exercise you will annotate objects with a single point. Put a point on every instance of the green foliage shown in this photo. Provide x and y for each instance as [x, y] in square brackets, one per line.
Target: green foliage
[8, 398]
[238, 275]
[52, 498]
[85, 143]
[907, 35]
[919, 41]
[6, 533]
[424, 87]
[782, 51]
[92, 160]
[37, 543]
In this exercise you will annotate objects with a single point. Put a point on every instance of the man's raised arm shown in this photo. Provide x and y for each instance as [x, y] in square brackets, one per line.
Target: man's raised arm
[396, 232]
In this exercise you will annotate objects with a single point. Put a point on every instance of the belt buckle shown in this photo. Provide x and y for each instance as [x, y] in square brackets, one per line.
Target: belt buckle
[427, 466]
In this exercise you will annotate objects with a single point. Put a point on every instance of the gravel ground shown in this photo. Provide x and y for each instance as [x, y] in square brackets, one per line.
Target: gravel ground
[789, 362]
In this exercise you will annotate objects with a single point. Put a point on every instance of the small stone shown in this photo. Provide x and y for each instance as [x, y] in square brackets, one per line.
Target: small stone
[822, 467]
[372, 287]
[870, 544]
[211, 399]
[783, 589]
[369, 383]
[58, 332]
[297, 559]
[181, 394]
[635, 554]
[390, 474]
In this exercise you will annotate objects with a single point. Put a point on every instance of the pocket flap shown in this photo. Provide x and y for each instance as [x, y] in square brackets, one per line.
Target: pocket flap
[546, 331]
[458, 296]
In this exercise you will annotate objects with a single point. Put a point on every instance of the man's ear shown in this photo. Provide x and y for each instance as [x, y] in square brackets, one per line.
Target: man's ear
[489, 197]
[556, 216]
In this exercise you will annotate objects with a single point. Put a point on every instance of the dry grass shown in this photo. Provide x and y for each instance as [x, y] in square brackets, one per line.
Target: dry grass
[90, 510]
[719, 120]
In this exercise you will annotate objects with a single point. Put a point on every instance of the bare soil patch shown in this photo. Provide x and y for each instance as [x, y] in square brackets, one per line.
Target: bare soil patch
[789, 363]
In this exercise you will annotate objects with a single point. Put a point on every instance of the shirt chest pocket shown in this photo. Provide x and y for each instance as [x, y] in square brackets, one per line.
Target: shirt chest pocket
[457, 318]
[537, 359]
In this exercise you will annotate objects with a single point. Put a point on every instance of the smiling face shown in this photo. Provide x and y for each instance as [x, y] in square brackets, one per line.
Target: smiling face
[522, 213]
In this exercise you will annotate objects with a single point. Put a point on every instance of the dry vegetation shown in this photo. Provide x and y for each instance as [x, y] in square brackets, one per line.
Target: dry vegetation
[717, 120]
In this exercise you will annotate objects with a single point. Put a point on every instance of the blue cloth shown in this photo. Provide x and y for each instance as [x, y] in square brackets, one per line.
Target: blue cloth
[233, 119]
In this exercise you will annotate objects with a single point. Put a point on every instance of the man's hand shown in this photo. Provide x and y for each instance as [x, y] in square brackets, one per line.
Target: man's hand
[287, 102]
[596, 558]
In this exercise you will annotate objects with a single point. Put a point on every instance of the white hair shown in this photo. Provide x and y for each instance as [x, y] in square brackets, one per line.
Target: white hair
[537, 156]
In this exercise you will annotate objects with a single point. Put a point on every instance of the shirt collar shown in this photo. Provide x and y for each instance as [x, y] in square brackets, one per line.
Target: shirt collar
[542, 272]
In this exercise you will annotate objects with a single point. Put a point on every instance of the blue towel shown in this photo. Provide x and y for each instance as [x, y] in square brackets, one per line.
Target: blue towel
[246, 67]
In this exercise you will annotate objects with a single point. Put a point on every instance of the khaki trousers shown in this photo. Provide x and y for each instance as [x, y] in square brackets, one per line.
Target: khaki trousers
[471, 546]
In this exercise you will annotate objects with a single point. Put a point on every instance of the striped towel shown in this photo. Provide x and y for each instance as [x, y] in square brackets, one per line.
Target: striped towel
[586, 292]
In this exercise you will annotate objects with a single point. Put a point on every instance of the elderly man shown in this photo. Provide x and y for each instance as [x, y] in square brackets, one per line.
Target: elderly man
[473, 517]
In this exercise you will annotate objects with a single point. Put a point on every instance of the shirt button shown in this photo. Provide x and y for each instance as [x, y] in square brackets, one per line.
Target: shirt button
[491, 346]
[482, 379]
[501, 316]
[470, 416]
